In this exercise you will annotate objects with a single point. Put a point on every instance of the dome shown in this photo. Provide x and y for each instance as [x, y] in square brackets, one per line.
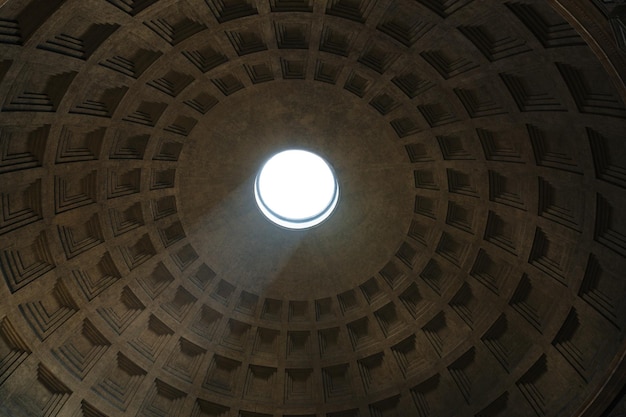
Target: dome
[472, 265]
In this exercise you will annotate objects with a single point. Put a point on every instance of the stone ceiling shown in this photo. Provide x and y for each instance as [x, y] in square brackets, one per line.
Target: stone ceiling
[474, 265]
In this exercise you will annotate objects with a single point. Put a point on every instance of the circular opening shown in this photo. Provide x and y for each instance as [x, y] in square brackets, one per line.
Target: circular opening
[296, 189]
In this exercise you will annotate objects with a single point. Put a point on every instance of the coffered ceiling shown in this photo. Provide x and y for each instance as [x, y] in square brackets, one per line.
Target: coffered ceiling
[474, 265]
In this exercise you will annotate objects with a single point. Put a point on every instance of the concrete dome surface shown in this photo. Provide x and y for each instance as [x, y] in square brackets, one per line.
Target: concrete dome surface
[474, 265]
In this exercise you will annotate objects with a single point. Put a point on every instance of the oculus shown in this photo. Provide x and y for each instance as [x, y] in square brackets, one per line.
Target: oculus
[296, 189]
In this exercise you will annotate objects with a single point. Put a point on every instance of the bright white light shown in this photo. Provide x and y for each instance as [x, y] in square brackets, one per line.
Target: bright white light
[296, 189]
